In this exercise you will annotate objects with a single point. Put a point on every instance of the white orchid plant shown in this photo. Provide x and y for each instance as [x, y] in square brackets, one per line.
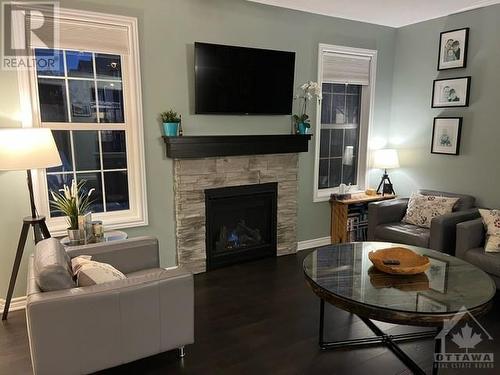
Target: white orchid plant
[72, 202]
[308, 91]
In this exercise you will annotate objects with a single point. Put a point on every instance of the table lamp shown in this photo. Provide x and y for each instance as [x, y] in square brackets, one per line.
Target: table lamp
[385, 159]
[27, 149]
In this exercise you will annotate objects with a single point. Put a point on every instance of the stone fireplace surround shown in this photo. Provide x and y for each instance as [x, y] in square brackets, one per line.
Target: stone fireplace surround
[193, 176]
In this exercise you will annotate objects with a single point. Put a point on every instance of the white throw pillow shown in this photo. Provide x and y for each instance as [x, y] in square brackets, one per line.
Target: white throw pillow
[491, 221]
[89, 272]
[423, 208]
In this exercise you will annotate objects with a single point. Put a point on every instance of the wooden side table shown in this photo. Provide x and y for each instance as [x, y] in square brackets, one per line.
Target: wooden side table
[340, 213]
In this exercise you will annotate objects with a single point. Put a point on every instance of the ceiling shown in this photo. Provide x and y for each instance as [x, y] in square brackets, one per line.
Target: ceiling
[393, 13]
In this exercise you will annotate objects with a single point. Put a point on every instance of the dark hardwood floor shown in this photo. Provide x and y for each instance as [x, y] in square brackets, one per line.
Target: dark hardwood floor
[260, 318]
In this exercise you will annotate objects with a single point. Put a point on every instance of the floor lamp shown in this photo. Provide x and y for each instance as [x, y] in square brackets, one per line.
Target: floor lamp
[27, 149]
[385, 159]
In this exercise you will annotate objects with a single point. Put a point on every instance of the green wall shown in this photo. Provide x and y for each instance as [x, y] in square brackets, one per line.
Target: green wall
[475, 171]
[167, 30]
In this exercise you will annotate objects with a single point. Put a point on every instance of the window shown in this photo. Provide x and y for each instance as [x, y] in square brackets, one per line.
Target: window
[89, 95]
[347, 80]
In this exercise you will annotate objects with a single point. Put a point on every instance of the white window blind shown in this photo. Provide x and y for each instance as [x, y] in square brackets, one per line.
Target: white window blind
[86, 36]
[345, 68]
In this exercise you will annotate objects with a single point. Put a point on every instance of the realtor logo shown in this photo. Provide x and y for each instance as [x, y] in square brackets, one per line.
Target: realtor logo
[26, 24]
[465, 334]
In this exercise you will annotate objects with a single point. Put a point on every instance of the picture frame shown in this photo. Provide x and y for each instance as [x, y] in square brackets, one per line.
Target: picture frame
[446, 135]
[438, 275]
[453, 46]
[428, 304]
[451, 92]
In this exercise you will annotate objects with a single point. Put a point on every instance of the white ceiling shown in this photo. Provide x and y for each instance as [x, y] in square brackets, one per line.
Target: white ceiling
[394, 13]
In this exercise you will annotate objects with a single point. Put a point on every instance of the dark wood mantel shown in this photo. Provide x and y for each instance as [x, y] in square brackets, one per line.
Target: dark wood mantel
[190, 147]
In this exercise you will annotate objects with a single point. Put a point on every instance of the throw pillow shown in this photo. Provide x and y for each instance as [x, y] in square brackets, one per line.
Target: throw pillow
[89, 272]
[491, 221]
[423, 208]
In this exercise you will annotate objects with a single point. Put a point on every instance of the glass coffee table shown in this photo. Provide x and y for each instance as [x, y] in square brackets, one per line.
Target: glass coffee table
[343, 276]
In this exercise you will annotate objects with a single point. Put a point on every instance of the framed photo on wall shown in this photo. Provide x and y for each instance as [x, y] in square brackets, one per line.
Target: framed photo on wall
[453, 49]
[446, 135]
[451, 92]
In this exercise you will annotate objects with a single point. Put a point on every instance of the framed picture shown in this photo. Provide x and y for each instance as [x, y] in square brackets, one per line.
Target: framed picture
[453, 49]
[452, 92]
[446, 135]
[428, 304]
[438, 275]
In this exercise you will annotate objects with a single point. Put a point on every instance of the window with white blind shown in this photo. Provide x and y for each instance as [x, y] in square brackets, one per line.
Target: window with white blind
[87, 90]
[347, 79]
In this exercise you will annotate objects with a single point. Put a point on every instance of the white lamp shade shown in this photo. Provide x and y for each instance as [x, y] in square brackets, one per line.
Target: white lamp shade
[27, 148]
[385, 159]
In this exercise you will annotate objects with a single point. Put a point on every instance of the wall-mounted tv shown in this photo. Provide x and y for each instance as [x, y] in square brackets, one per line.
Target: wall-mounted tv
[245, 81]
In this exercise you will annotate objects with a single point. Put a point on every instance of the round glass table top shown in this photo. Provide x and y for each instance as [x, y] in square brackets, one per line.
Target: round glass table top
[344, 271]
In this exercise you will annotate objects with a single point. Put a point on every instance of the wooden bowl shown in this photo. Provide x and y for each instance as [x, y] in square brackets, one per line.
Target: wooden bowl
[410, 263]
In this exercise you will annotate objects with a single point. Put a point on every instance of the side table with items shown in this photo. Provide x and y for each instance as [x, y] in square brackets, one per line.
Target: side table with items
[115, 235]
[349, 217]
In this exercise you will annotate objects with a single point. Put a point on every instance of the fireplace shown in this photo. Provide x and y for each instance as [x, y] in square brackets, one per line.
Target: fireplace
[241, 224]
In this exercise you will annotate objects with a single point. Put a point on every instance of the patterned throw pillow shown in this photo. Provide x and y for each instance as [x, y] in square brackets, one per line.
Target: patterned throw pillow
[89, 272]
[423, 208]
[491, 221]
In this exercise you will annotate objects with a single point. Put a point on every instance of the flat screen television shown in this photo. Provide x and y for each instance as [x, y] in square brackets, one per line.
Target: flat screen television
[245, 81]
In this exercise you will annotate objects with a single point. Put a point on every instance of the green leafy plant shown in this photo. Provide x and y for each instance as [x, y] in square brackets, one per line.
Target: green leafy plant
[72, 202]
[308, 91]
[170, 116]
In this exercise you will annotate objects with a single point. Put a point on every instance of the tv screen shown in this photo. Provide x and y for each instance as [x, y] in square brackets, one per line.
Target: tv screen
[239, 80]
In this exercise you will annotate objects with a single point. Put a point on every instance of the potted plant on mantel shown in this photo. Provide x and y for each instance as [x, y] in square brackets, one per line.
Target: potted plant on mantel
[309, 91]
[73, 202]
[171, 123]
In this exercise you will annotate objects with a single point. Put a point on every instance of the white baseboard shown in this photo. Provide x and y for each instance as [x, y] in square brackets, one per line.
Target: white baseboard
[17, 303]
[315, 242]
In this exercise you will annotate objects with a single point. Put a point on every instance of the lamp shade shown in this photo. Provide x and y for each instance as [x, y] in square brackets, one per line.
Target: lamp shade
[385, 159]
[27, 148]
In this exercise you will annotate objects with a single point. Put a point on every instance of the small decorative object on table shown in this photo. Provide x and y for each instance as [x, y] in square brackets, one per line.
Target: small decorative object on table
[309, 91]
[399, 261]
[74, 202]
[370, 191]
[343, 192]
[171, 123]
[97, 229]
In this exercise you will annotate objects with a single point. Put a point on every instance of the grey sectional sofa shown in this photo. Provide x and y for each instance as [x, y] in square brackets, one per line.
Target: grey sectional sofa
[79, 330]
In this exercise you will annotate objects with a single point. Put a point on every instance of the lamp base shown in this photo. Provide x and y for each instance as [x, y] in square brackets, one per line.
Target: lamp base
[386, 185]
[41, 232]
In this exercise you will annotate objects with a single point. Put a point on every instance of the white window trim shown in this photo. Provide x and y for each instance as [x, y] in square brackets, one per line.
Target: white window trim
[367, 96]
[137, 215]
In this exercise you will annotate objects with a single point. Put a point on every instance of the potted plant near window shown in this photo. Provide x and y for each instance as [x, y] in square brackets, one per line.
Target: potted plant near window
[72, 202]
[171, 123]
[308, 91]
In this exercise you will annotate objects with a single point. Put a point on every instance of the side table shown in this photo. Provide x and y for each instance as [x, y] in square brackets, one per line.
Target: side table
[341, 210]
[114, 235]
